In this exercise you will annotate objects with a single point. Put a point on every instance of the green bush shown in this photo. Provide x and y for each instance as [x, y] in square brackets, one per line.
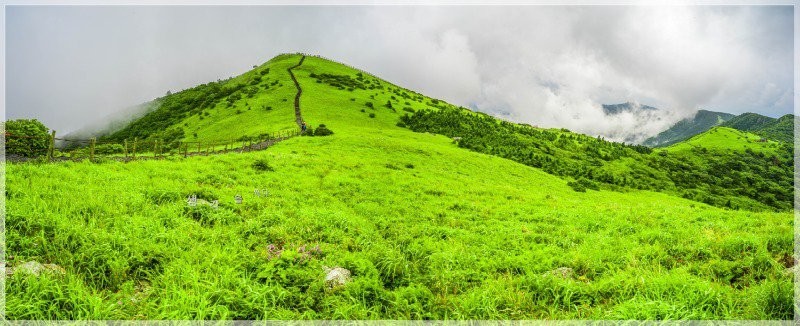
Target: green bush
[109, 149]
[372, 115]
[27, 138]
[262, 165]
[582, 184]
[322, 130]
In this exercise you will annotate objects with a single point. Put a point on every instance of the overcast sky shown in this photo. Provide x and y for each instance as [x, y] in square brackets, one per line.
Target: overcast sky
[546, 65]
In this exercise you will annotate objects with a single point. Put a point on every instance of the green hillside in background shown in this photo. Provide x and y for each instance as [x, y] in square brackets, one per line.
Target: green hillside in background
[781, 129]
[725, 138]
[749, 122]
[436, 212]
[702, 121]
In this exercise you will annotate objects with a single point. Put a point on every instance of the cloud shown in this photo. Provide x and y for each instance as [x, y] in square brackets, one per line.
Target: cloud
[552, 66]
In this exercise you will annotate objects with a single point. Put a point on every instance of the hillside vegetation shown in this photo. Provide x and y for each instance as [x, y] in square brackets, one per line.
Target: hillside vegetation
[727, 170]
[702, 121]
[509, 222]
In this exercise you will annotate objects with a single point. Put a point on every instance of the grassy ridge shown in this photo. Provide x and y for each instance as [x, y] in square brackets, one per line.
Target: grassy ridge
[428, 230]
[724, 138]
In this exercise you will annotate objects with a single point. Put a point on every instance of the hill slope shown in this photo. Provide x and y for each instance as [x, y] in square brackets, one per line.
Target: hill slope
[749, 122]
[428, 228]
[724, 138]
[703, 120]
[781, 129]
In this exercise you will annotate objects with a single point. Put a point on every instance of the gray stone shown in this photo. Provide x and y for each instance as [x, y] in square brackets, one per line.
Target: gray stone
[35, 268]
[336, 277]
[562, 272]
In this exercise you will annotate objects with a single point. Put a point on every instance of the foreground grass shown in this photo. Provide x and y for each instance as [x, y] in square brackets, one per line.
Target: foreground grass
[427, 230]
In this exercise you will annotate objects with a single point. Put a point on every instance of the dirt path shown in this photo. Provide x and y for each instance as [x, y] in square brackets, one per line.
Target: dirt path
[298, 116]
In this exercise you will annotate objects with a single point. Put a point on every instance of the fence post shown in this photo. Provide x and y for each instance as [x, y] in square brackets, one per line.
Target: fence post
[185, 150]
[125, 148]
[52, 145]
[134, 147]
[155, 148]
[91, 151]
[198, 148]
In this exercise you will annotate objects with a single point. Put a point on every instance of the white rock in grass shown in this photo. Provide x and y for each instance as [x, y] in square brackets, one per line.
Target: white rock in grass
[562, 272]
[35, 268]
[336, 276]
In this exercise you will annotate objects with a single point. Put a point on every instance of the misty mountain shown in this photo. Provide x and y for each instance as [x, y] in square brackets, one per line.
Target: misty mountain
[635, 122]
[115, 121]
[702, 121]
[614, 109]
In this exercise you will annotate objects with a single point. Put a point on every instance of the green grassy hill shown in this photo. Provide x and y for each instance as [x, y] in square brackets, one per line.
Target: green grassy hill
[490, 227]
[724, 138]
[703, 120]
[749, 122]
[781, 129]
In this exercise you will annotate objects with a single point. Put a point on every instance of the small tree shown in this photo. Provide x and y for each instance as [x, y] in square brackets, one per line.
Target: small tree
[323, 131]
[27, 138]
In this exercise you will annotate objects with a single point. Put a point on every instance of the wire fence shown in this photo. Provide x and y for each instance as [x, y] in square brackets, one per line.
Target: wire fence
[24, 148]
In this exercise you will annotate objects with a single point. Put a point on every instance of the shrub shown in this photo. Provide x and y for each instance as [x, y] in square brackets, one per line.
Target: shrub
[372, 115]
[408, 109]
[323, 131]
[368, 104]
[582, 184]
[109, 149]
[27, 138]
[262, 165]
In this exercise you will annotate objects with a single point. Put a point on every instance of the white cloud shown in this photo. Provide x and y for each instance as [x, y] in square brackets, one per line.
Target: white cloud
[551, 66]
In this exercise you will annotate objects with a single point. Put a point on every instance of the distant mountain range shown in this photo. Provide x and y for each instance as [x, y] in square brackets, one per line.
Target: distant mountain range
[781, 129]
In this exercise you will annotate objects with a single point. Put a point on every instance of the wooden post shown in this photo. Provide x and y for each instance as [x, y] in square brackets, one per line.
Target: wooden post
[243, 143]
[134, 147]
[155, 148]
[125, 149]
[198, 148]
[91, 151]
[52, 145]
[186, 150]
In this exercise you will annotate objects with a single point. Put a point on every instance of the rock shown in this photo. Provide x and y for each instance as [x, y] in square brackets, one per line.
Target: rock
[35, 268]
[335, 277]
[791, 271]
[562, 272]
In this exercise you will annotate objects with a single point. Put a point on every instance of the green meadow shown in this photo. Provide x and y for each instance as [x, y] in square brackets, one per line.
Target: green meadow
[428, 229]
